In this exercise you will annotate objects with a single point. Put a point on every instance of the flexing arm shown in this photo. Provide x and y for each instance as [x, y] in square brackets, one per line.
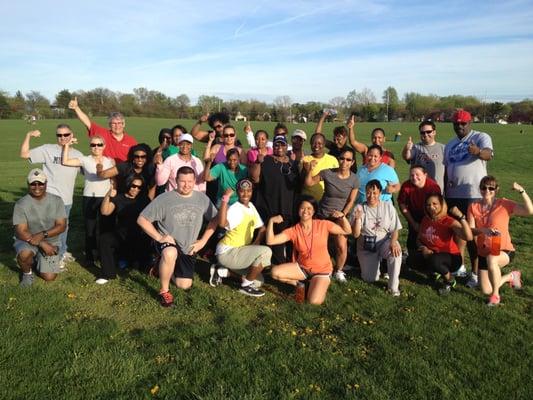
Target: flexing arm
[345, 228]
[72, 162]
[308, 170]
[106, 173]
[197, 132]
[25, 147]
[361, 148]
[271, 238]
[223, 211]
[461, 228]
[73, 105]
[107, 207]
[526, 209]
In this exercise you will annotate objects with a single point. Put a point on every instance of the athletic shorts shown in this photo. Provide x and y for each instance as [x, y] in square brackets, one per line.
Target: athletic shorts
[309, 275]
[185, 264]
[482, 261]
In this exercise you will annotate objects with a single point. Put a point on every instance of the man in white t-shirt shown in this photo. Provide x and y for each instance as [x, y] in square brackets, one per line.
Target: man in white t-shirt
[61, 179]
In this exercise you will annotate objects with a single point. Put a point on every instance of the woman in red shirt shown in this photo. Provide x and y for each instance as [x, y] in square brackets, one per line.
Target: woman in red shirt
[489, 219]
[436, 236]
[310, 240]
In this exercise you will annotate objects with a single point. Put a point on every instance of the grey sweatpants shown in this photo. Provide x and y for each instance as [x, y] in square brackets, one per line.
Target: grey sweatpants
[369, 263]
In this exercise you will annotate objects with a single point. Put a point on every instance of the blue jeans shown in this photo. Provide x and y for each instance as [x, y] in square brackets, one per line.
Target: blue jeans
[63, 236]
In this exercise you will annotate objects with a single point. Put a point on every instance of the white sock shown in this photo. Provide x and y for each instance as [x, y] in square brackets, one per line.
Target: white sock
[246, 282]
[28, 273]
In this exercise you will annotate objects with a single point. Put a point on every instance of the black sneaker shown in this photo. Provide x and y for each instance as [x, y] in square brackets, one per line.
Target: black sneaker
[251, 290]
[214, 278]
[447, 288]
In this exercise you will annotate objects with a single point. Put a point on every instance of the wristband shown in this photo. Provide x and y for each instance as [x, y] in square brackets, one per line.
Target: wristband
[462, 217]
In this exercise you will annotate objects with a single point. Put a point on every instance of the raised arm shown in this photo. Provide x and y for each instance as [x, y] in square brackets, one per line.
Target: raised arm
[361, 148]
[309, 179]
[271, 238]
[344, 228]
[526, 209]
[107, 207]
[25, 147]
[320, 123]
[407, 152]
[65, 160]
[73, 105]
[197, 131]
[461, 228]
[249, 135]
[223, 210]
[106, 173]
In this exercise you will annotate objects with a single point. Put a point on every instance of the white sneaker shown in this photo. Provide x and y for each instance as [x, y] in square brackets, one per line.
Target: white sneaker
[461, 272]
[472, 282]
[68, 257]
[101, 281]
[340, 276]
[395, 293]
[386, 276]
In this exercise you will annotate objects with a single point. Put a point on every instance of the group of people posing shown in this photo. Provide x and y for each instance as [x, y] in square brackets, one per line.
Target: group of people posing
[272, 205]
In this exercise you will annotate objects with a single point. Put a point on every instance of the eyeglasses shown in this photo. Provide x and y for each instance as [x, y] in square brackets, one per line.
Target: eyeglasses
[96, 145]
[141, 156]
[63, 134]
[134, 186]
[37, 183]
[489, 188]
[345, 159]
[426, 132]
[228, 135]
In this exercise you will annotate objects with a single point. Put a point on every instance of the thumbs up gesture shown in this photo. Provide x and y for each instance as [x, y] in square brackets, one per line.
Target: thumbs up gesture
[409, 144]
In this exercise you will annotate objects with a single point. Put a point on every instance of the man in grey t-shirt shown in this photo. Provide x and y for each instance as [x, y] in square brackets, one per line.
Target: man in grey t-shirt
[61, 179]
[427, 153]
[179, 215]
[39, 218]
[465, 158]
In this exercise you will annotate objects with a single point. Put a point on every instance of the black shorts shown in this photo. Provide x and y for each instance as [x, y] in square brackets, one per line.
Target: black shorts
[482, 261]
[185, 264]
[461, 204]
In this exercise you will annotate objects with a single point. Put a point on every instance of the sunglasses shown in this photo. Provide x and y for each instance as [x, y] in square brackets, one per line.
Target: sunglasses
[141, 156]
[134, 186]
[63, 134]
[489, 188]
[345, 159]
[96, 145]
[228, 135]
[426, 132]
[36, 183]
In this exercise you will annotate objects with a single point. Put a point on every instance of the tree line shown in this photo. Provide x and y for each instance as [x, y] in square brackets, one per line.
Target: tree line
[362, 103]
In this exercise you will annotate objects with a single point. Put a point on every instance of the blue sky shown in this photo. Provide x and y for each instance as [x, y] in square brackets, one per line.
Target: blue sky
[308, 50]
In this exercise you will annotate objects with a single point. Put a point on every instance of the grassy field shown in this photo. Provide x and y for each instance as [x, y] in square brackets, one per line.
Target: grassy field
[73, 339]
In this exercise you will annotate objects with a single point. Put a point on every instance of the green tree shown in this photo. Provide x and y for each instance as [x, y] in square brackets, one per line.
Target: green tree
[37, 104]
[210, 104]
[182, 104]
[391, 102]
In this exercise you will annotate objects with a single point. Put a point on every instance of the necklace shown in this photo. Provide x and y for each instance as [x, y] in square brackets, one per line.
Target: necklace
[309, 246]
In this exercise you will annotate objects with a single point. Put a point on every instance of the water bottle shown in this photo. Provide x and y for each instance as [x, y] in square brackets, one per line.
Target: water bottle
[495, 243]
[299, 294]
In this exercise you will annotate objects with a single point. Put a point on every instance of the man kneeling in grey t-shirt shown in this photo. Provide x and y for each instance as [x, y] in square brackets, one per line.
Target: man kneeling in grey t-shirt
[179, 215]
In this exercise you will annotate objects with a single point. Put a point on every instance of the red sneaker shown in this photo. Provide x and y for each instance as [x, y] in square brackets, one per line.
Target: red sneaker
[166, 299]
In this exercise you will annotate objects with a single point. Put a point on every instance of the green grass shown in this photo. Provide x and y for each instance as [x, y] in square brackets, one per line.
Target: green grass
[74, 339]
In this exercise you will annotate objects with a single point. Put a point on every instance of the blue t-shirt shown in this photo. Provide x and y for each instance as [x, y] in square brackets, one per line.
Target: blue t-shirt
[384, 174]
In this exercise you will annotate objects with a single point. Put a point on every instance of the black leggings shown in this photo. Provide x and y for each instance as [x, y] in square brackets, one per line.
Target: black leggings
[444, 262]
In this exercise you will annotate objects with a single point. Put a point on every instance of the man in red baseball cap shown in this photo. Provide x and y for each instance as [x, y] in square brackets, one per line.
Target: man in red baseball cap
[465, 161]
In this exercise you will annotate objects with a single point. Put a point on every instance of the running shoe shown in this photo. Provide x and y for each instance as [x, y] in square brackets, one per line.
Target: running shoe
[251, 290]
[166, 299]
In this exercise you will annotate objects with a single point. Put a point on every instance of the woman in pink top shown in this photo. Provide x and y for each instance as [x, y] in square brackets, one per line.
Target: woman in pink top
[258, 153]
[489, 218]
[310, 239]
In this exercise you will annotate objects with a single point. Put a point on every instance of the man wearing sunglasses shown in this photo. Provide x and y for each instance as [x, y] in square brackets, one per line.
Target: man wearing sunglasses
[117, 141]
[61, 179]
[465, 161]
[39, 218]
[428, 152]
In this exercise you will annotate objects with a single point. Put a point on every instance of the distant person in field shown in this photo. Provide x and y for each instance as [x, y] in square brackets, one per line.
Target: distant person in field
[489, 218]
[39, 218]
[178, 216]
[60, 179]
[118, 142]
[339, 144]
[465, 160]
[378, 138]
[428, 153]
